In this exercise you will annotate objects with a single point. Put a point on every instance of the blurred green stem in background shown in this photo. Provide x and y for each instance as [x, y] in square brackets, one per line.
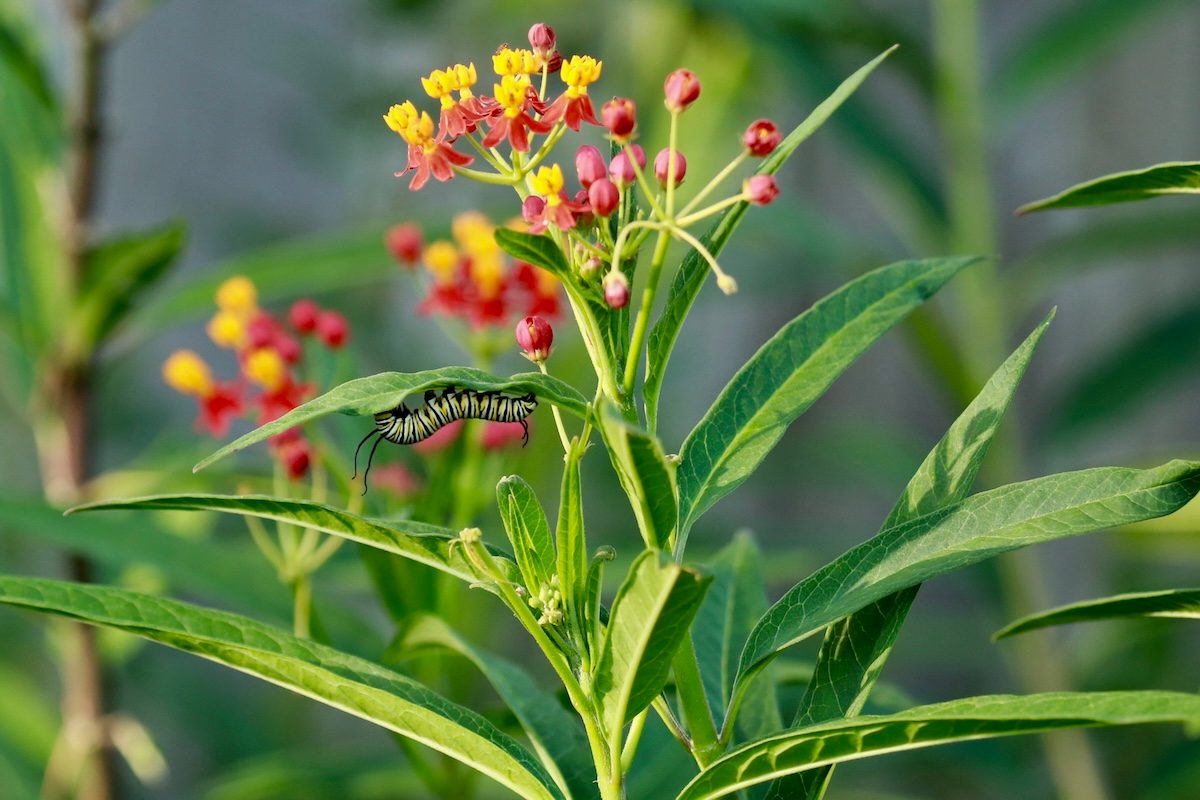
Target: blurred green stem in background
[972, 213]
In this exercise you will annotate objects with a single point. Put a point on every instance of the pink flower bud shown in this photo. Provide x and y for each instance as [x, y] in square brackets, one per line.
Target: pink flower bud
[541, 39]
[532, 209]
[616, 289]
[662, 165]
[260, 332]
[589, 267]
[554, 62]
[404, 242]
[619, 115]
[760, 189]
[535, 336]
[621, 169]
[288, 348]
[589, 164]
[681, 87]
[761, 138]
[604, 197]
[332, 329]
[303, 316]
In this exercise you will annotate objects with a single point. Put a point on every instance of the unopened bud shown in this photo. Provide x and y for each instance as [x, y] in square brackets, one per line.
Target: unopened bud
[761, 138]
[590, 267]
[621, 169]
[604, 197]
[532, 209]
[760, 189]
[303, 316]
[616, 289]
[727, 284]
[535, 336]
[404, 242]
[332, 329]
[619, 115]
[541, 39]
[554, 62]
[681, 87]
[589, 164]
[662, 166]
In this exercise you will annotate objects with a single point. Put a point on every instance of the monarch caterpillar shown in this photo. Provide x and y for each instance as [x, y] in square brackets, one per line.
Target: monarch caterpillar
[403, 425]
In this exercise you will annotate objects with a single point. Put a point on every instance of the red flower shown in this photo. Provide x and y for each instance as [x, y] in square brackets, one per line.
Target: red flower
[219, 406]
[511, 119]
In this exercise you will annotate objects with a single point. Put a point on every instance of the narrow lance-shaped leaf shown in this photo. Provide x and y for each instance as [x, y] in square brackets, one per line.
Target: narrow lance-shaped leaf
[570, 538]
[1174, 603]
[416, 541]
[686, 285]
[528, 530]
[647, 478]
[555, 733]
[1176, 177]
[650, 616]
[790, 372]
[977, 528]
[971, 718]
[856, 648]
[385, 391]
[345, 682]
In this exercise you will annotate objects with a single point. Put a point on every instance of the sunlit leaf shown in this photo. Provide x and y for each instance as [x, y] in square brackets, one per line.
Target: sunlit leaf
[1177, 603]
[1178, 177]
[528, 530]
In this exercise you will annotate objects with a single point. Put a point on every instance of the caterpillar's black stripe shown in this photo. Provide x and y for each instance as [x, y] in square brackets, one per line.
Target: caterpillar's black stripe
[402, 425]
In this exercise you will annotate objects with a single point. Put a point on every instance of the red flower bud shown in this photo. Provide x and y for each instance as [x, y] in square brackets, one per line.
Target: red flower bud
[260, 332]
[621, 169]
[761, 138]
[619, 115]
[681, 87]
[554, 62]
[332, 329]
[404, 242]
[532, 209]
[589, 164]
[760, 189]
[541, 39]
[604, 197]
[662, 165]
[303, 316]
[288, 348]
[616, 289]
[535, 336]
[295, 456]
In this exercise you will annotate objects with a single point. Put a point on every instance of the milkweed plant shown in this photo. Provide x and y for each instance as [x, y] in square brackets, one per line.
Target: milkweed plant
[692, 648]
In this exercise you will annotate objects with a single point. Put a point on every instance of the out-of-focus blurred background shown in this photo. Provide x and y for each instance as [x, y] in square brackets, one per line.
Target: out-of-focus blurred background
[257, 125]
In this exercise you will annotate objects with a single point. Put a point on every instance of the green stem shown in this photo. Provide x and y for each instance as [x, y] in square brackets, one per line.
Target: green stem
[706, 745]
[486, 177]
[632, 740]
[562, 430]
[714, 183]
[645, 184]
[692, 219]
[302, 607]
[642, 324]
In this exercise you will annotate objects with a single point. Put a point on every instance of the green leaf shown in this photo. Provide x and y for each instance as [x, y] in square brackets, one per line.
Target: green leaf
[1177, 603]
[416, 541]
[647, 478]
[310, 264]
[570, 539]
[1177, 177]
[1140, 368]
[555, 733]
[1066, 42]
[692, 273]
[971, 718]
[119, 271]
[650, 616]
[385, 391]
[735, 601]
[528, 530]
[790, 372]
[345, 682]
[977, 528]
[236, 575]
[536, 249]
[29, 721]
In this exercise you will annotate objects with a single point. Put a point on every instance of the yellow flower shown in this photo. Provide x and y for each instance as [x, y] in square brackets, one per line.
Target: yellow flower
[186, 373]
[548, 182]
[441, 258]
[487, 272]
[400, 117]
[510, 93]
[464, 79]
[440, 85]
[266, 368]
[515, 62]
[227, 329]
[578, 72]
[238, 296]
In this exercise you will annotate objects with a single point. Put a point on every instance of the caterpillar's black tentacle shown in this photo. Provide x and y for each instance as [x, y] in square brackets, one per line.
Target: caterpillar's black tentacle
[360, 444]
[370, 458]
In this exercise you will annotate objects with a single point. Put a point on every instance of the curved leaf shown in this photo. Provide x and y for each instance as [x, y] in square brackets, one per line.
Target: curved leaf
[416, 541]
[555, 733]
[528, 531]
[982, 526]
[1180, 603]
[958, 720]
[385, 391]
[1176, 177]
[686, 285]
[790, 372]
[535, 249]
[648, 480]
[345, 682]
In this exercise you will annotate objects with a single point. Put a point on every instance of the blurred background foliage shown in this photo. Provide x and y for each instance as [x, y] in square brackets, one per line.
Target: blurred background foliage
[246, 138]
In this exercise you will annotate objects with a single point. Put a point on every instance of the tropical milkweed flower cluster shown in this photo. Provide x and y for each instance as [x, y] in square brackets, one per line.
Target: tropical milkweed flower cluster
[599, 220]
[270, 363]
[471, 278]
